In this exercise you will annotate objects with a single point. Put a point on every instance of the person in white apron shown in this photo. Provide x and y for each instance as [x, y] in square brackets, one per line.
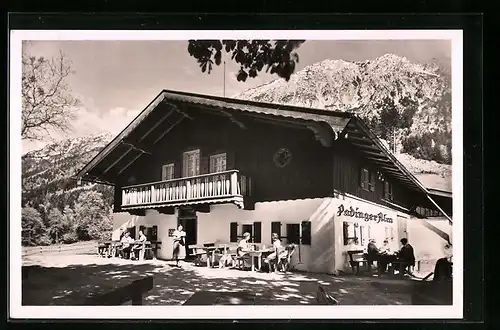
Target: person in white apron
[179, 249]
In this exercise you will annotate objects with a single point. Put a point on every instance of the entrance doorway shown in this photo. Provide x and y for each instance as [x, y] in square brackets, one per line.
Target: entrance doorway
[189, 221]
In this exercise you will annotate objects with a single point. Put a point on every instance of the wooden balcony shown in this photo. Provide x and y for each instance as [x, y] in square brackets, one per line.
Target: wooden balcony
[222, 187]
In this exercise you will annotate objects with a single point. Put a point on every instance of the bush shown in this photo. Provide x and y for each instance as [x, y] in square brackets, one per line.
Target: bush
[69, 238]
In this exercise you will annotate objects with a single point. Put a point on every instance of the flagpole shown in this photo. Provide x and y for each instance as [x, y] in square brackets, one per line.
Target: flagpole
[224, 90]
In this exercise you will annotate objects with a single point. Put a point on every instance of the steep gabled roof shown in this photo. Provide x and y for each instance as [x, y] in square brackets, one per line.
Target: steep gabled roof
[165, 112]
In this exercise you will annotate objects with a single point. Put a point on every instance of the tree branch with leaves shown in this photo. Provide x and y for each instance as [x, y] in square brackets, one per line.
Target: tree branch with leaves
[47, 102]
[277, 57]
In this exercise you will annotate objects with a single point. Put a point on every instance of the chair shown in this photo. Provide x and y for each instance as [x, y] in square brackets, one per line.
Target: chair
[285, 261]
[101, 248]
[323, 298]
[239, 259]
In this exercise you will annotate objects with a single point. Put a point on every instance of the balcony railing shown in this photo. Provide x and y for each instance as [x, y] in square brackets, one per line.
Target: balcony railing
[216, 186]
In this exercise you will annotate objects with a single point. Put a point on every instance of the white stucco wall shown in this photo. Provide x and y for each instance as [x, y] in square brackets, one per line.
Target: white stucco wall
[426, 243]
[327, 253]
[372, 228]
[215, 227]
[152, 217]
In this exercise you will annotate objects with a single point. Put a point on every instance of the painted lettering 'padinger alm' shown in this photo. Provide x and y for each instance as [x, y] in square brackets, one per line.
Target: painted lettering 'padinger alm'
[222, 167]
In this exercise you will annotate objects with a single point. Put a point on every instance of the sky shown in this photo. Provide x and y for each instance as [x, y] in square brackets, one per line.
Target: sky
[115, 80]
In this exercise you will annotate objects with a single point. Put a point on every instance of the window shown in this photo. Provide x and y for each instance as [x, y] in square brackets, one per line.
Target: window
[387, 191]
[293, 233]
[350, 231]
[191, 163]
[167, 172]
[365, 178]
[276, 228]
[218, 163]
[368, 180]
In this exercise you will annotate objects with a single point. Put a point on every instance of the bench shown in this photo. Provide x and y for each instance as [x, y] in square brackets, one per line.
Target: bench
[197, 254]
[132, 292]
[355, 264]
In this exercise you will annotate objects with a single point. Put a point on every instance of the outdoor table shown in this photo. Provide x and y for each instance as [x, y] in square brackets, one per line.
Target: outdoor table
[258, 254]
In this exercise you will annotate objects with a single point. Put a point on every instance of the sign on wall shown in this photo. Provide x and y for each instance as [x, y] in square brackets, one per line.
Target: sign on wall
[356, 213]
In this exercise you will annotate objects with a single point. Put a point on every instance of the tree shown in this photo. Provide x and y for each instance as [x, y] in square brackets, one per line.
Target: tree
[278, 57]
[92, 216]
[32, 226]
[47, 102]
[57, 225]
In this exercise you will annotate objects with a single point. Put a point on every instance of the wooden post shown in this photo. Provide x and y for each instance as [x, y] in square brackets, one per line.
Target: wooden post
[234, 183]
[153, 196]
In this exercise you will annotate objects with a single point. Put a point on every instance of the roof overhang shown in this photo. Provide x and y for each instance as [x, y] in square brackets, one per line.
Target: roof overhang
[168, 109]
[373, 149]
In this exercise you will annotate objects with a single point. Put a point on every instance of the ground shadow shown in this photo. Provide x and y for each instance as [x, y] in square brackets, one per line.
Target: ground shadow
[72, 284]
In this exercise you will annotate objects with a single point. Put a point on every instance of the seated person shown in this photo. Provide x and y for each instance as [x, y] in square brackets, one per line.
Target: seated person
[139, 245]
[444, 266]
[384, 256]
[126, 244]
[244, 249]
[282, 253]
[406, 256]
[372, 252]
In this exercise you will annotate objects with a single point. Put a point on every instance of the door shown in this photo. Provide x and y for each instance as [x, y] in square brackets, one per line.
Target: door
[190, 225]
[191, 163]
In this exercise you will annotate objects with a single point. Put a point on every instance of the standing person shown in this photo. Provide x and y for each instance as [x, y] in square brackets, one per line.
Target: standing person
[179, 250]
[406, 255]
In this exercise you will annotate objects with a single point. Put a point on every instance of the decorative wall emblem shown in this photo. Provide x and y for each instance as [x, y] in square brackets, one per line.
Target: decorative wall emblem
[282, 157]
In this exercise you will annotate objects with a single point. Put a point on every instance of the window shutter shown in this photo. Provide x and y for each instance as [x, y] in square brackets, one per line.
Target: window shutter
[306, 232]
[233, 232]
[372, 181]
[362, 235]
[346, 233]
[257, 232]
[154, 233]
[276, 228]
[293, 233]
[205, 164]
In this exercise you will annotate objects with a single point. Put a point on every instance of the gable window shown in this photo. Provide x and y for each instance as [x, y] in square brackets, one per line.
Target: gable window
[167, 172]
[388, 191]
[191, 163]
[218, 163]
